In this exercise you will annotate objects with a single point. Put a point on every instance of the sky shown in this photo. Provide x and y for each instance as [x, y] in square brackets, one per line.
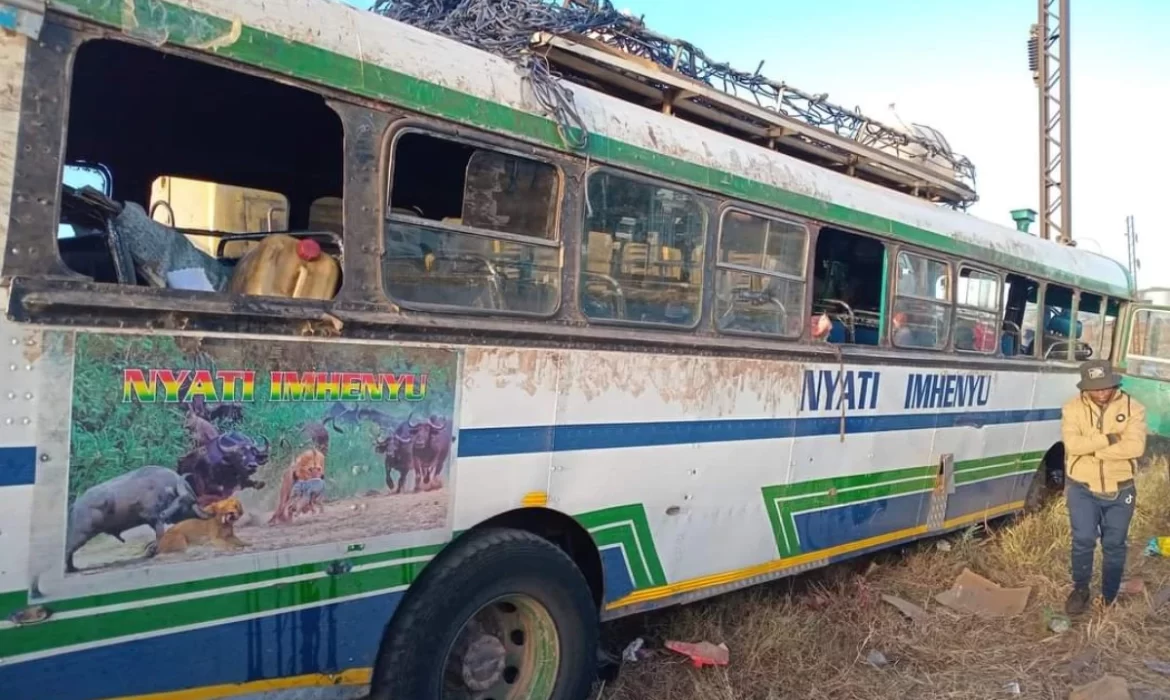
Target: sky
[962, 68]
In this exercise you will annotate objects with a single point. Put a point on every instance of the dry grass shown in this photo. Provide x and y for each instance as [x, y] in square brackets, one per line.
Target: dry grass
[809, 637]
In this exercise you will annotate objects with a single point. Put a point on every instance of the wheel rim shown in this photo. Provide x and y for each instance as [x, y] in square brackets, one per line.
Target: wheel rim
[508, 650]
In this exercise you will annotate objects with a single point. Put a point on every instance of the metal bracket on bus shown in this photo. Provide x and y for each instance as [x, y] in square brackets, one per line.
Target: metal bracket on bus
[947, 464]
[23, 16]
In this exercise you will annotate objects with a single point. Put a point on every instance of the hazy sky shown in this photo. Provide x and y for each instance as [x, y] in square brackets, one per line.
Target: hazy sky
[961, 67]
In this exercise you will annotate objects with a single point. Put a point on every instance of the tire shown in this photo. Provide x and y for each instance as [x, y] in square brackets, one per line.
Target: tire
[481, 575]
[1041, 490]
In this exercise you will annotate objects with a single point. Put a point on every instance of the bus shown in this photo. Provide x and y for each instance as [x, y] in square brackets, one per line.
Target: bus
[554, 385]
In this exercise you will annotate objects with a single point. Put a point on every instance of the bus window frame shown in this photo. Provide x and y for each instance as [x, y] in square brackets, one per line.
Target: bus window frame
[1000, 277]
[71, 299]
[1102, 308]
[1069, 356]
[895, 294]
[733, 206]
[701, 198]
[441, 131]
[1131, 317]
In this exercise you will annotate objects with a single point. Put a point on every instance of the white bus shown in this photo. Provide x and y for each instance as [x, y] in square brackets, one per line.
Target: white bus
[554, 387]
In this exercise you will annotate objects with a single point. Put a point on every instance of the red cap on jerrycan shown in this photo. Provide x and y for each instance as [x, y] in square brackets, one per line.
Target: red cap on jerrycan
[308, 249]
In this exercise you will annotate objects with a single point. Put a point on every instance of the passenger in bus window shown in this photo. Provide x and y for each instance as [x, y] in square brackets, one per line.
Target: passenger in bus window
[1104, 433]
[903, 336]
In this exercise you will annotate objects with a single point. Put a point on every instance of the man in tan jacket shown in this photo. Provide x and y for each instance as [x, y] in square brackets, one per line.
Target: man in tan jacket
[1104, 433]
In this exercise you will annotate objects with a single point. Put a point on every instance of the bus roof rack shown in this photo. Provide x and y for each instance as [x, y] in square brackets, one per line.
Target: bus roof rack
[590, 43]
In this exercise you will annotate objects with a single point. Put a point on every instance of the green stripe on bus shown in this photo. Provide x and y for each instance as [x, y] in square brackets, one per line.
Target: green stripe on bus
[626, 526]
[10, 602]
[186, 27]
[147, 619]
[784, 501]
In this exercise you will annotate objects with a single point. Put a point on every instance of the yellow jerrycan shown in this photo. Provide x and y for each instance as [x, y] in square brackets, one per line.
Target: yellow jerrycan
[282, 266]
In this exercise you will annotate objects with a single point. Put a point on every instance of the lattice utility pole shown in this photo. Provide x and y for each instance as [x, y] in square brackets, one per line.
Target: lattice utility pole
[1048, 57]
[1131, 240]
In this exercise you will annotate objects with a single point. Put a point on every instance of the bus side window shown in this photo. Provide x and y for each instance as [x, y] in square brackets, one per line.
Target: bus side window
[643, 252]
[922, 303]
[1061, 332]
[1091, 317]
[468, 227]
[195, 165]
[847, 286]
[1149, 345]
[977, 313]
[760, 279]
[1021, 311]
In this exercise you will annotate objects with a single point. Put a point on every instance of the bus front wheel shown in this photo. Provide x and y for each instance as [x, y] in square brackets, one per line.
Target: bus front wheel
[502, 614]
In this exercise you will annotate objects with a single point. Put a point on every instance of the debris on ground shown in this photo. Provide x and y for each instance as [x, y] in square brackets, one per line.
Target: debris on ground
[877, 659]
[942, 546]
[971, 593]
[1056, 622]
[703, 653]
[1104, 688]
[1156, 666]
[910, 610]
[1012, 688]
[1133, 586]
[1160, 598]
[1082, 661]
[1158, 547]
[632, 652]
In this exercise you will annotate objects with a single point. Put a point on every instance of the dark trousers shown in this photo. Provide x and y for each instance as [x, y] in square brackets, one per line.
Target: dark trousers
[1106, 517]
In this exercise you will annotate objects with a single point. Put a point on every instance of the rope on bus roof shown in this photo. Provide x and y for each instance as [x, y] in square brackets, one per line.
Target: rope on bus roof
[505, 27]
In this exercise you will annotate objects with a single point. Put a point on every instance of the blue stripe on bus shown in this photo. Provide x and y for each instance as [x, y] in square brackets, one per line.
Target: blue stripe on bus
[979, 496]
[616, 573]
[832, 527]
[485, 442]
[325, 639]
[18, 466]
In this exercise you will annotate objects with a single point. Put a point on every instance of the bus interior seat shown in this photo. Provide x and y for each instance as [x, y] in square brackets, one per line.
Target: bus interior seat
[1061, 323]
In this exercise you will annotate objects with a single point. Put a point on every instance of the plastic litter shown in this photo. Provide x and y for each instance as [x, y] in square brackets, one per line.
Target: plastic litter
[1056, 622]
[877, 659]
[1158, 547]
[1012, 688]
[703, 653]
[630, 653]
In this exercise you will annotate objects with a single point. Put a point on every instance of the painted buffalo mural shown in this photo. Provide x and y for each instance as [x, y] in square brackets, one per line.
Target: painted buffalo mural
[357, 445]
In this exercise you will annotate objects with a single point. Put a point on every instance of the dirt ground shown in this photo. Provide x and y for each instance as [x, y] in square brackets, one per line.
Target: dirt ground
[814, 637]
[345, 520]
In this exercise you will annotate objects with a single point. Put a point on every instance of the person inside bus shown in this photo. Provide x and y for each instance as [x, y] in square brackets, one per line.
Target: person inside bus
[1104, 433]
[903, 336]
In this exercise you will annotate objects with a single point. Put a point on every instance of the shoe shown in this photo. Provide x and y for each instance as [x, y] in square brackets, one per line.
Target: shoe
[1078, 601]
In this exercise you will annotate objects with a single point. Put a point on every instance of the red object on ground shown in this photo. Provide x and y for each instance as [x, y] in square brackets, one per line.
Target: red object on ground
[702, 654]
